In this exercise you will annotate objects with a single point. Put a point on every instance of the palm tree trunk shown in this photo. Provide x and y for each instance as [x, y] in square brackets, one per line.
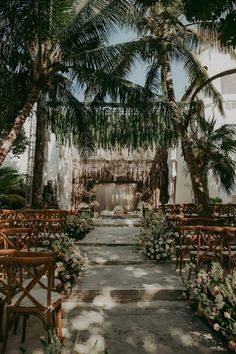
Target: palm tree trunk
[200, 194]
[159, 174]
[19, 122]
[41, 127]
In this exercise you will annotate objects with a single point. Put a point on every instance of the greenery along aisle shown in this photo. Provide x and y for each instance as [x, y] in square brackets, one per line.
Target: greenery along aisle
[71, 261]
[157, 239]
[77, 227]
[214, 297]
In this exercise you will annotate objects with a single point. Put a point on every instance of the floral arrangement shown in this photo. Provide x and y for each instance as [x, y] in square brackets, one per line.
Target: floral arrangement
[157, 239]
[214, 297]
[77, 227]
[71, 261]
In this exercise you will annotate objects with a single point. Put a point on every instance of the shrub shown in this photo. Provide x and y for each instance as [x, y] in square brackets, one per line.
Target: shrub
[157, 237]
[77, 227]
[71, 261]
[214, 297]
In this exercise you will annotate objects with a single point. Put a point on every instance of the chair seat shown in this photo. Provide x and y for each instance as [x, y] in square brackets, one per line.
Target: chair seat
[44, 281]
[38, 294]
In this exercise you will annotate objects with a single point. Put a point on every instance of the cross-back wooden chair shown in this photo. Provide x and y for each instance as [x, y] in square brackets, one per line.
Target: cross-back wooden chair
[230, 248]
[18, 238]
[34, 297]
[3, 287]
[208, 247]
[185, 242]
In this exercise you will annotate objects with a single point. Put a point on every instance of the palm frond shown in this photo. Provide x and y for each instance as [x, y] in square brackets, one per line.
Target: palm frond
[69, 118]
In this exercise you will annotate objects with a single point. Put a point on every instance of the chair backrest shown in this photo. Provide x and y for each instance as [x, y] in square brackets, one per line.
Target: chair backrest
[18, 238]
[33, 267]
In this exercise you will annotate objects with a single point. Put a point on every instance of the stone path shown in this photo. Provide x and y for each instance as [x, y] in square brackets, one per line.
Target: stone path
[124, 303]
[129, 304]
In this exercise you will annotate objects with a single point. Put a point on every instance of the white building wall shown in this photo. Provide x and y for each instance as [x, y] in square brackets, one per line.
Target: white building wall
[58, 165]
[215, 62]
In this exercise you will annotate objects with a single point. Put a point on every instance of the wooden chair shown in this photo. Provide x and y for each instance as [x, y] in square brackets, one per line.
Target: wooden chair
[18, 238]
[208, 247]
[230, 248]
[3, 287]
[33, 297]
[185, 242]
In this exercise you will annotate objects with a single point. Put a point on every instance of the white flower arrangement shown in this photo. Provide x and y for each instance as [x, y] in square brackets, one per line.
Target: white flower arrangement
[214, 296]
[71, 262]
[157, 239]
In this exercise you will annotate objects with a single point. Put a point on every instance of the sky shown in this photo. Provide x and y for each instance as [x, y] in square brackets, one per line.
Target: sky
[138, 73]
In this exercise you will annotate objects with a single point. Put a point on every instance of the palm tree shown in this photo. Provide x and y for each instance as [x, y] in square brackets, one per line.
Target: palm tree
[12, 189]
[163, 22]
[55, 44]
[213, 150]
[52, 41]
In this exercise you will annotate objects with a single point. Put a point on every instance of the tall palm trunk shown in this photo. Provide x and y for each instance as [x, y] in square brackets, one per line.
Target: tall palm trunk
[19, 122]
[200, 194]
[159, 174]
[41, 127]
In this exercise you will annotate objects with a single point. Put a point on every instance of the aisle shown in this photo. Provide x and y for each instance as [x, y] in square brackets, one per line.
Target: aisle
[130, 305]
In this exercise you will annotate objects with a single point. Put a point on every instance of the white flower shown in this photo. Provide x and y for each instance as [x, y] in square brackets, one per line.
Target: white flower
[216, 327]
[227, 314]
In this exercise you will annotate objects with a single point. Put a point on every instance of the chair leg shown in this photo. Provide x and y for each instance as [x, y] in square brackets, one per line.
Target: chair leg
[15, 323]
[25, 318]
[6, 332]
[1, 319]
[59, 323]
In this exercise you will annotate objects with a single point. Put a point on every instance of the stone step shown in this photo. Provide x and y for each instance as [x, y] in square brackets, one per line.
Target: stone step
[109, 297]
[142, 278]
[111, 235]
[106, 254]
[159, 327]
[116, 222]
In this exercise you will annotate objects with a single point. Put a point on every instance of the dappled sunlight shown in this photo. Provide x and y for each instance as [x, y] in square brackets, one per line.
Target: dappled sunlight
[196, 340]
[137, 272]
[95, 344]
[85, 319]
[185, 338]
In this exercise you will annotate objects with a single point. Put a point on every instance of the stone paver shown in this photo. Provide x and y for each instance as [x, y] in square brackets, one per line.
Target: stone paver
[113, 255]
[108, 235]
[162, 327]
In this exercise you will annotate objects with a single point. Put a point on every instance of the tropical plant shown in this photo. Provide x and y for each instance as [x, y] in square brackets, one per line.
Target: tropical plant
[163, 20]
[214, 297]
[12, 93]
[12, 189]
[59, 45]
[215, 12]
[157, 238]
[213, 150]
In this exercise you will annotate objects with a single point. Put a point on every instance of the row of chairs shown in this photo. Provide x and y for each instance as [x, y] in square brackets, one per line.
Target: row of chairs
[200, 245]
[190, 209]
[27, 283]
[28, 287]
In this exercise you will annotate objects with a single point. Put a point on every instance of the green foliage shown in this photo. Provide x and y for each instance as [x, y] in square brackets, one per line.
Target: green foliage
[77, 227]
[12, 189]
[214, 296]
[49, 197]
[157, 238]
[221, 13]
[71, 263]
[216, 200]
[214, 148]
